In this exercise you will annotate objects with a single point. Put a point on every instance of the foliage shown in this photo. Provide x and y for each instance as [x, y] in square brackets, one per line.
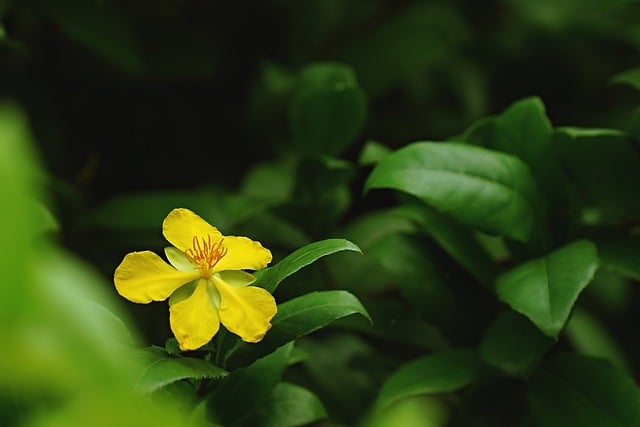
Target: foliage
[449, 190]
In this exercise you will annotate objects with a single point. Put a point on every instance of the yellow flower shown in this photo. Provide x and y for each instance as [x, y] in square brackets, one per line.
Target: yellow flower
[205, 282]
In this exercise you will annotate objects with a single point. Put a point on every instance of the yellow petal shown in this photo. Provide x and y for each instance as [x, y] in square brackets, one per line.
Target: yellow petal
[243, 253]
[143, 277]
[245, 311]
[181, 225]
[193, 315]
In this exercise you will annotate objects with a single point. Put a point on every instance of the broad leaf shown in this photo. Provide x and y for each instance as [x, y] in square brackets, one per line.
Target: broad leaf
[545, 289]
[572, 390]
[437, 373]
[289, 405]
[491, 191]
[270, 278]
[295, 318]
[161, 369]
[513, 344]
[241, 392]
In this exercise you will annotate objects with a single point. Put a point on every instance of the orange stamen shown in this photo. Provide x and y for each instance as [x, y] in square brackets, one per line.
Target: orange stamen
[205, 254]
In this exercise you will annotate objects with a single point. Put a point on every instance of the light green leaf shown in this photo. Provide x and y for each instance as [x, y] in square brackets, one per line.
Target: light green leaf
[372, 153]
[295, 318]
[491, 191]
[437, 373]
[162, 369]
[545, 289]
[573, 390]
[288, 406]
[513, 344]
[270, 278]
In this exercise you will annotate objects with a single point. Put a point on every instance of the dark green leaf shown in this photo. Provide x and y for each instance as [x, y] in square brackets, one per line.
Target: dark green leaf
[288, 406]
[513, 344]
[621, 254]
[545, 289]
[491, 191]
[327, 109]
[242, 391]
[628, 77]
[437, 373]
[295, 318]
[161, 369]
[270, 278]
[572, 390]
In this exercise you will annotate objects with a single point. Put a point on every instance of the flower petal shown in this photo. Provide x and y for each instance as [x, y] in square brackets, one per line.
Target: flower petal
[143, 277]
[193, 316]
[245, 311]
[179, 259]
[243, 253]
[236, 277]
[181, 225]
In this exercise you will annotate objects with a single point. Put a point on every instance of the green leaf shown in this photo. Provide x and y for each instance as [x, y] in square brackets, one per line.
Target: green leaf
[629, 77]
[590, 337]
[491, 191]
[372, 153]
[436, 373]
[161, 369]
[573, 390]
[513, 344]
[289, 405]
[621, 254]
[242, 391]
[295, 318]
[545, 289]
[270, 278]
[328, 109]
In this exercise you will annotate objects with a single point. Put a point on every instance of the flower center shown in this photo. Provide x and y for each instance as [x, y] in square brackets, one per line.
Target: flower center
[205, 254]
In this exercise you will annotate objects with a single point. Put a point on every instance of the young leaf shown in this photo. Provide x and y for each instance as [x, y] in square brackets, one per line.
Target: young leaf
[288, 406]
[241, 393]
[161, 369]
[545, 289]
[573, 390]
[270, 278]
[295, 318]
[436, 373]
[491, 191]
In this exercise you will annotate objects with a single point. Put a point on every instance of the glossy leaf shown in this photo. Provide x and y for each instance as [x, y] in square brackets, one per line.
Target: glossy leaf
[513, 344]
[491, 191]
[295, 318]
[545, 289]
[436, 373]
[573, 390]
[160, 369]
[270, 278]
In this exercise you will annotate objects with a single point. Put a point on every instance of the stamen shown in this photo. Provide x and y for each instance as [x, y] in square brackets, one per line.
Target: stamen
[205, 254]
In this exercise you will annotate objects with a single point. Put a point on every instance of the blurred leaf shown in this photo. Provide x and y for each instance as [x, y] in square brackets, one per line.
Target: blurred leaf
[99, 26]
[328, 108]
[295, 318]
[442, 372]
[545, 289]
[620, 253]
[604, 166]
[491, 191]
[573, 390]
[513, 344]
[161, 369]
[270, 278]
[271, 182]
[455, 239]
[629, 77]
[409, 40]
[372, 153]
[242, 391]
[288, 406]
[412, 411]
[590, 337]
